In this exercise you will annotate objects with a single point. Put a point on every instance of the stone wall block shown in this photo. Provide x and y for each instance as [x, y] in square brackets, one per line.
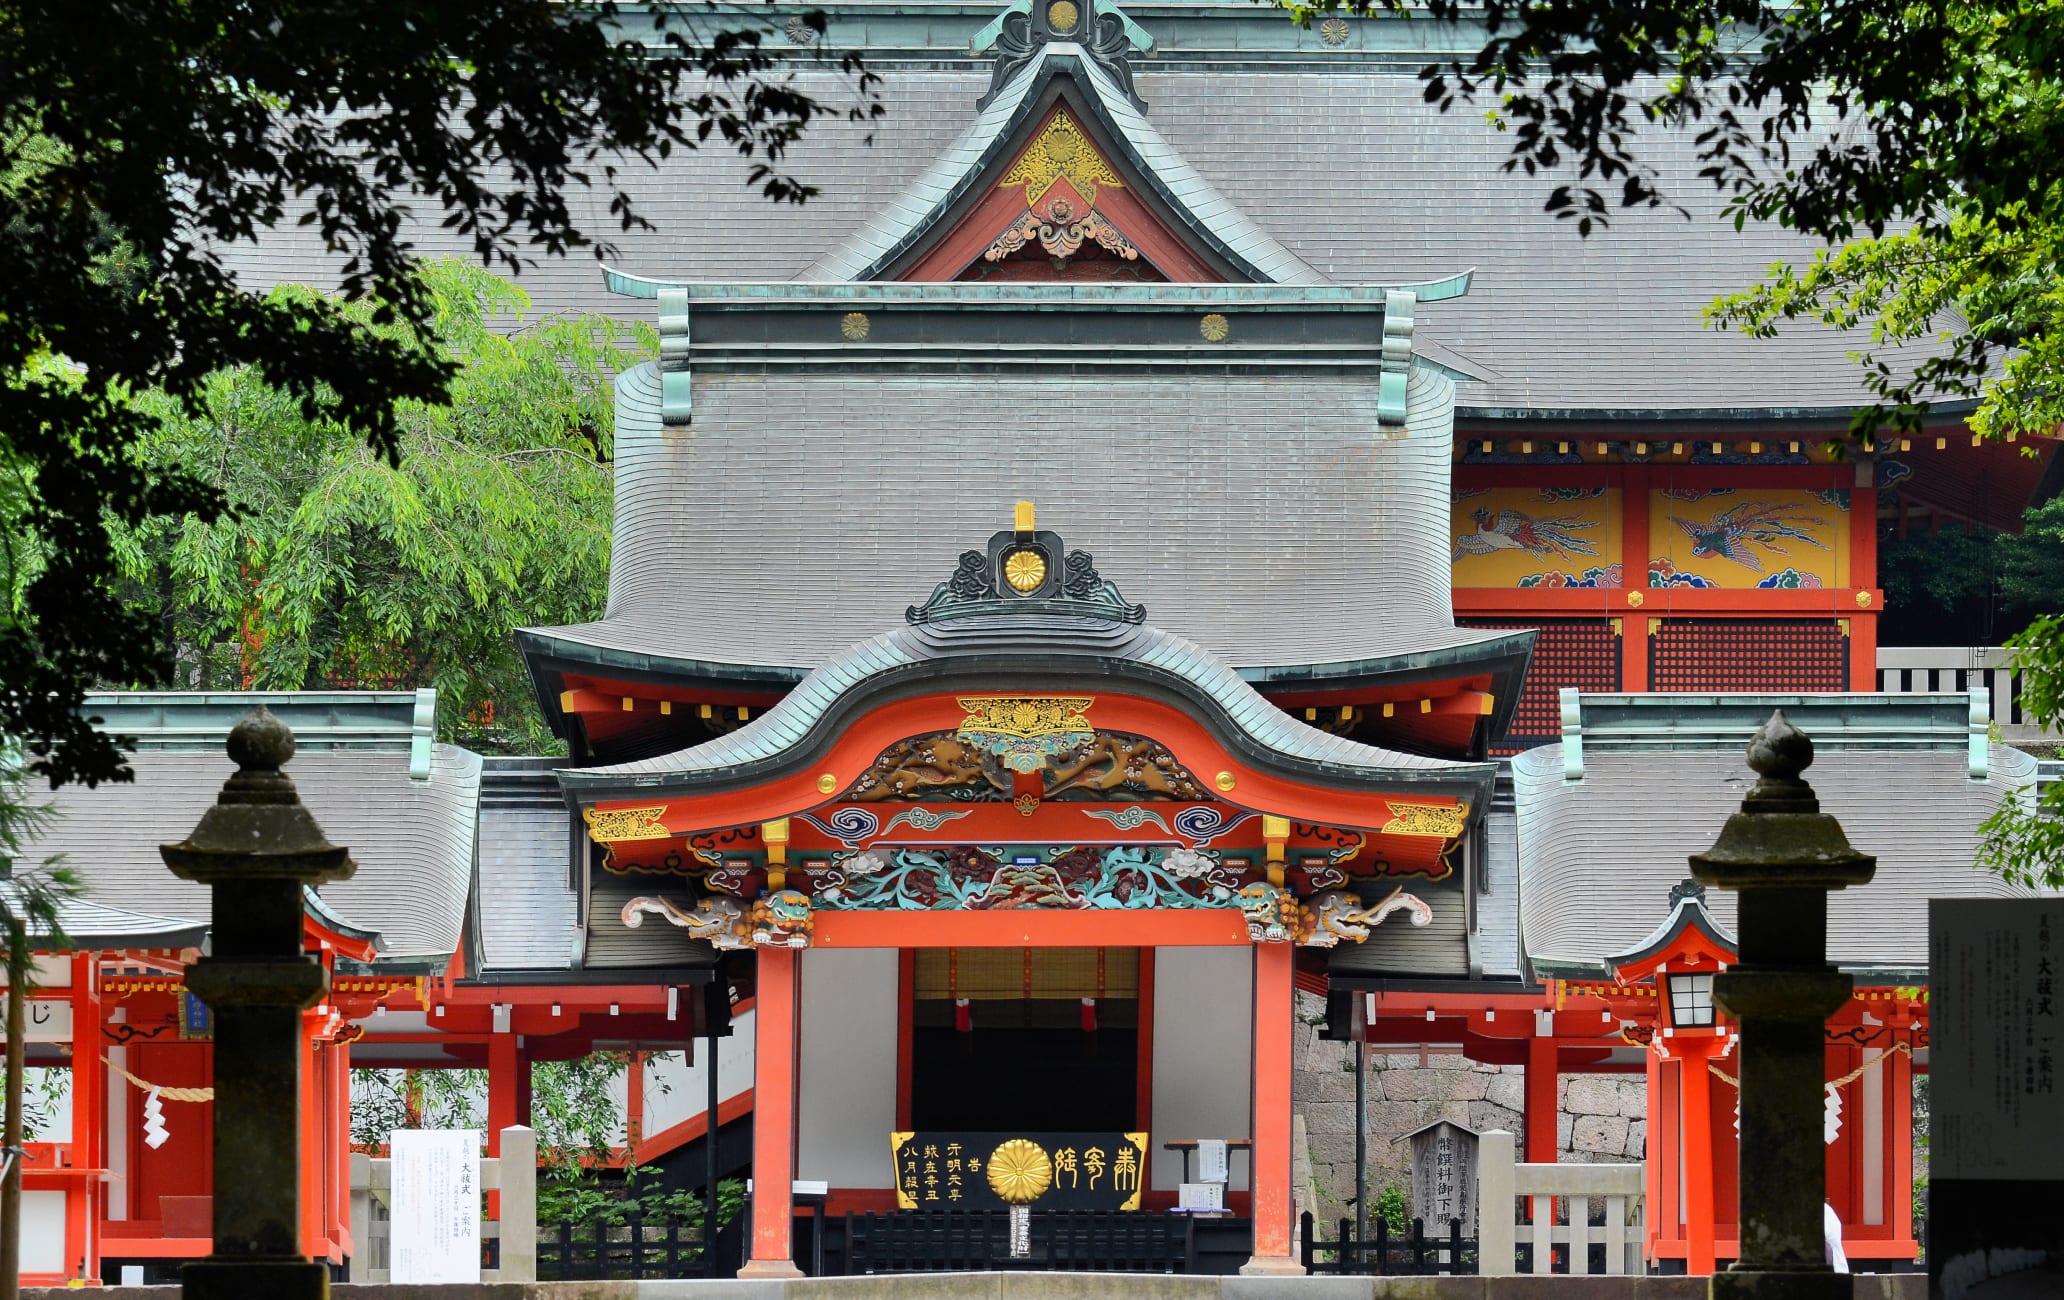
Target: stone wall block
[1563, 1123]
[1637, 1139]
[1634, 1098]
[1507, 1091]
[1588, 1094]
[1324, 1117]
[1599, 1134]
[1485, 1116]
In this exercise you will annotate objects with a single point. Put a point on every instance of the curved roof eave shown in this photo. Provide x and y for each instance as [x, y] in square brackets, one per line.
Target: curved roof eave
[894, 665]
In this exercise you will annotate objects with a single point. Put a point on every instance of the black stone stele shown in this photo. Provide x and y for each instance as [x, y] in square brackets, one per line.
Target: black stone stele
[1783, 854]
[256, 849]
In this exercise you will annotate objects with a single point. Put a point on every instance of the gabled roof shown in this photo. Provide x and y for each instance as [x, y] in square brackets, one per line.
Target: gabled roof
[1000, 130]
[1687, 914]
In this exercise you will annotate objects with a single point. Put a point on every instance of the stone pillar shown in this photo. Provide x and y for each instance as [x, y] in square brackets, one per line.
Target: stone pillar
[256, 849]
[1783, 854]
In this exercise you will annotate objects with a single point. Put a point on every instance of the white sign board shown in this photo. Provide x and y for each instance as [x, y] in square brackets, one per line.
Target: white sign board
[1206, 1198]
[1995, 1033]
[48, 1021]
[1211, 1160]
[434, 1234]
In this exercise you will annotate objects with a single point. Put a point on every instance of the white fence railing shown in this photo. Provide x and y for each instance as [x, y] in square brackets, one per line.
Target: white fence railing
[513, 1174]
[1952, 670]
[1561, 1197]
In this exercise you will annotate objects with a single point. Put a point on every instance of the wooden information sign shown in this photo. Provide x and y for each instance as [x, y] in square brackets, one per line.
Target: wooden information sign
[1051, 1171]
[1444, 1175]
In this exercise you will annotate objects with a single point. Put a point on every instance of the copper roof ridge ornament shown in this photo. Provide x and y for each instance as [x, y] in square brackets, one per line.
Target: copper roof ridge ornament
[1026, 570]
[1103, 32]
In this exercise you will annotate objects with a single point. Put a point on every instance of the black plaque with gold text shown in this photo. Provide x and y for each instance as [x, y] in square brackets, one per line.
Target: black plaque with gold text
[1047, 1171]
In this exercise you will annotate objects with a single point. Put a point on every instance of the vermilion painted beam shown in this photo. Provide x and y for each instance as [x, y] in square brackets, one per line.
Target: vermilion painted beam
[1708, 602]
[1144, 927]
[863, 740]
[674, 1136]
[1639, 478]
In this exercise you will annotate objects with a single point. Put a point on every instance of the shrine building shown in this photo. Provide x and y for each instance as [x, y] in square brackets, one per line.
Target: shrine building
[1172, 525]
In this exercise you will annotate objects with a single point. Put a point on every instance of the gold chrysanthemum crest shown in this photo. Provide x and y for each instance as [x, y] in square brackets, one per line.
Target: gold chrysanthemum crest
[1019, 1171]
[1215, 328]
[1024, 570]
[854, 325]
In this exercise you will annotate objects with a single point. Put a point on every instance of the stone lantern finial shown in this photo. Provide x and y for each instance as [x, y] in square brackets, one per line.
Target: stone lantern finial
[1783, 855]
[257, 848]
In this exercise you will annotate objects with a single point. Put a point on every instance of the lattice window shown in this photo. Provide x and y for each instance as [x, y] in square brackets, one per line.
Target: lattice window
[1579, 652]
[1748, 654]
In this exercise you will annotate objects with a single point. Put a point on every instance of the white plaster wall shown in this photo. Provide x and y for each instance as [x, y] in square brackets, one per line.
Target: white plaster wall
[848, 1083]
[1203, 1047]
[675, 1092]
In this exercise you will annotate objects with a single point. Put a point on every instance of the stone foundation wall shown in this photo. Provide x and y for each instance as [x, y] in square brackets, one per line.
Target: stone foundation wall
[1602, 1118]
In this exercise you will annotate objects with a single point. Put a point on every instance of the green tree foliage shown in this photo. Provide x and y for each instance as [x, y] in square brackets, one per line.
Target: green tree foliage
[335, 564]
[180, 130]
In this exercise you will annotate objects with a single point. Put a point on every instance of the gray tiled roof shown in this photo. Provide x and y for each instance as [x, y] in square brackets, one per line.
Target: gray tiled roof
[91, 925]
[1497, 908]
[412, 840]
[1351, 172]
[1598, 856]
[1035, 652]
[804, 510]
[527, 913]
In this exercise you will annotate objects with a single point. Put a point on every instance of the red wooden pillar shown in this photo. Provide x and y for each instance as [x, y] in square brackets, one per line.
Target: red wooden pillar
[1541, 1105]
[776, 1046]
[1696, 1096]
[313, 1092]
[1666, 1143]
[89, 1108]
[1863, 575]
[340, 1148]
[1899, 1145]
[1634, 557]
[1654, 1161]
[508, 1091]
[1274, 1021]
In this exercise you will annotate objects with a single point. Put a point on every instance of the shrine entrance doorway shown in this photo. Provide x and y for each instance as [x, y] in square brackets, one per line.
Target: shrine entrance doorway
[1026, 1040]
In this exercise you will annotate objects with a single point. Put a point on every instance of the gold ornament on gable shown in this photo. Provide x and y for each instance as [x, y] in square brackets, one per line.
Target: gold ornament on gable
[615, 824]
[1060, 152]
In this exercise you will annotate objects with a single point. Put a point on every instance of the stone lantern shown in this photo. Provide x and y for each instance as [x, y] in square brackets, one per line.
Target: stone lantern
[1783, 855]
[257, 849]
